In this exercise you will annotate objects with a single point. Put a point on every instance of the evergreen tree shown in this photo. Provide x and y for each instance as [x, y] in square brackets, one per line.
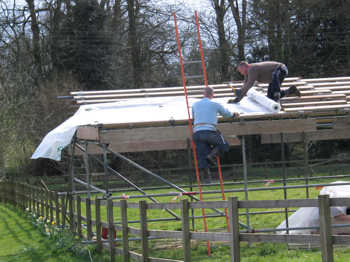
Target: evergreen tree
[83, 47]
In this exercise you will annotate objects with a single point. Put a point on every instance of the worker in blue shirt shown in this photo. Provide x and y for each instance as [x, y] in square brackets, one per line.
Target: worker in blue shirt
[208, 140]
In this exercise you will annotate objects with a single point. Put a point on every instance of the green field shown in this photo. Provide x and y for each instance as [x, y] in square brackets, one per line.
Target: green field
[20, 240]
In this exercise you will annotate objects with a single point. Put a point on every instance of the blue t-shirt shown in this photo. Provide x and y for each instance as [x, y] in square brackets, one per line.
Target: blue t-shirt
[204, 113]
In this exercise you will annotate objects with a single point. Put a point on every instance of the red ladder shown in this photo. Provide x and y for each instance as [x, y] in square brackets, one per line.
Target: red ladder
[190, 122]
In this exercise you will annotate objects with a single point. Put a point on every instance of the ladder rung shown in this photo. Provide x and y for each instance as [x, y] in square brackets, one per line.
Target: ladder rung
[192, 62]
[194, 77]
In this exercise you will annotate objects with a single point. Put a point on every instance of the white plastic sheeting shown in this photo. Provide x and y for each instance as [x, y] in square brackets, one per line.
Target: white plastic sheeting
[309, 216]
[138, 111]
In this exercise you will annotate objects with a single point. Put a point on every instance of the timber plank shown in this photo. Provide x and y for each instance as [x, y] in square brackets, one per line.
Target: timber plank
[88, 133]
[268, 127]
[316, 108]
[285, 83]
[314, 103]
[347, 92]
[258, 237]
[180, 133]
[314, 92]
[175, 137]
[147, 90]
[344, 84]
[321, 97]
[342, 123]
[319, 135]
[327, 79]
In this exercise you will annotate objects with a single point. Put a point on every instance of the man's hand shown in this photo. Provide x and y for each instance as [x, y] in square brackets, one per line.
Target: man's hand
[233, 101]
[235, 115]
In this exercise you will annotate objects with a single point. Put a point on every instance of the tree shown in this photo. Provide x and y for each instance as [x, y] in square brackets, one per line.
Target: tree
[83, 47]
[224, 49]
[240, 17]
[35, 38]
[133, 7]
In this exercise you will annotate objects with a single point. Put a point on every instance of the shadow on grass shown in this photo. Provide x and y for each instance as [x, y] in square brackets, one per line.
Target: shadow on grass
[15, 230]
[14, 220]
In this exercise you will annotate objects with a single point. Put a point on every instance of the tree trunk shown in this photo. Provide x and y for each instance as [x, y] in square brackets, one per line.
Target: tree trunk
[117, 17]
[55, 29]
[220, 11]
[2, 162]
[36, 38]
[134, 46]
[241, 23]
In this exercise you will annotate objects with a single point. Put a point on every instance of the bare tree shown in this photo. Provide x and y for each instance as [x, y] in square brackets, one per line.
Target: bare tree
[240, 16]
[133, 7]
[220, 11]
[36, 36]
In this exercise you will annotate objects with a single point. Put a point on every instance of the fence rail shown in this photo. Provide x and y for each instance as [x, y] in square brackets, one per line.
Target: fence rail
[66, 211]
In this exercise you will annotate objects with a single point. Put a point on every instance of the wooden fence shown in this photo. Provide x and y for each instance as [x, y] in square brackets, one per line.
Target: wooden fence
[66, 211]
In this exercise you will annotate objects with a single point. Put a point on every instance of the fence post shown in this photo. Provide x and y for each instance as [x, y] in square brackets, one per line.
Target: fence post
[186, 238]
[64, 210]
[88, 218]
[22, 199]
[79, 230]
[46, 194]
[37, 202]
[2, 192]
[111, 229]
[98, 223]
[234, 225]
[144, 233]
[30, 199]
[51, 194]
[57, 205]
[24, 196]
[15, 197]
[71, 213]
[125, 230]
[325, 228]
[42, 201]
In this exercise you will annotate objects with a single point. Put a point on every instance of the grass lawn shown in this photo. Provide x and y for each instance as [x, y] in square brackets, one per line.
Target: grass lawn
[20, 240]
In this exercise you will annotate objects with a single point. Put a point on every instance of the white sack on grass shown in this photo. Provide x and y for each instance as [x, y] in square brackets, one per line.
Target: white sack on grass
[263, 100]
[309, 216]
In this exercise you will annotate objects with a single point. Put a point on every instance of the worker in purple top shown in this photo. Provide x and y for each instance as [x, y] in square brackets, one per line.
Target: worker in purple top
[208, 140]
[270, 72]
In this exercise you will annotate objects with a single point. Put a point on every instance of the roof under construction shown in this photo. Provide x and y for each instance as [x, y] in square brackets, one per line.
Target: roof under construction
[156, 118]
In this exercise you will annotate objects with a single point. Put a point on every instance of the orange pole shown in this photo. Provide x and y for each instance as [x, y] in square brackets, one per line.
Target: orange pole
[191, 129]
[223, 192]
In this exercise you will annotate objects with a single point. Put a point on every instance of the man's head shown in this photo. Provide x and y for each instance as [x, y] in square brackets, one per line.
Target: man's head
[208, 92]
[243, 67]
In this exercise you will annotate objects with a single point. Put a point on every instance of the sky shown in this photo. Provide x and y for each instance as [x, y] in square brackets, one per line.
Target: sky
[195, 4]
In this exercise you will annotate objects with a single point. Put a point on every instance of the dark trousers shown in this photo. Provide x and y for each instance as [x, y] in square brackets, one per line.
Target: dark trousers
[208, 142]
[274, 90]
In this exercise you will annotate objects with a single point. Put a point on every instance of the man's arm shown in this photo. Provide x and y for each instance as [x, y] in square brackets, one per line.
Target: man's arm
[225, 112]
[343, 218]
[248, 83]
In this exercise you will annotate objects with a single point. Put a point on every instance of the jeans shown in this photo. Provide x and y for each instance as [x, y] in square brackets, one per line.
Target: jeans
[274, 90]
[207, 142]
